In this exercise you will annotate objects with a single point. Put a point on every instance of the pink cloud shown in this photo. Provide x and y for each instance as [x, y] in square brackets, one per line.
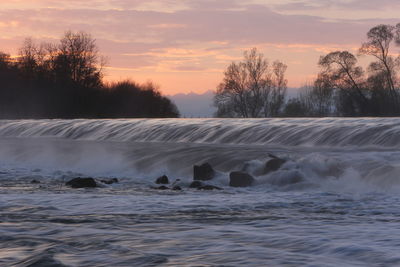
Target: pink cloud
[141, 37]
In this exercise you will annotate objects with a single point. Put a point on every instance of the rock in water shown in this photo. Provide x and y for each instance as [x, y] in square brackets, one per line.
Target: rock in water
[287, 178]
[203, 173]
[34, 181]
[209, 187]
[273, 164]
[240, 179]
[81, 183]
[177, 188]
[110, 181]
[196, 184]
[163, 187]
[162, 180]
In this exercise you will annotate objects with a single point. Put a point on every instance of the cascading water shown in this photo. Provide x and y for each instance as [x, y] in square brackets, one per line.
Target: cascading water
[331, 132]
[334, 202]
[142, 149]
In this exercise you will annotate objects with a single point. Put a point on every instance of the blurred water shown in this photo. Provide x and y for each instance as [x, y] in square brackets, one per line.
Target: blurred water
[344, 212]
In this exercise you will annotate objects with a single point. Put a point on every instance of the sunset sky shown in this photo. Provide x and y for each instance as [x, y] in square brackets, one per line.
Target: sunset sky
[185, 45]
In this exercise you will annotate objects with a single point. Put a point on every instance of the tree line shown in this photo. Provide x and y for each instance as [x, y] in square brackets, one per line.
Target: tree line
[66, 80]
[254, 88]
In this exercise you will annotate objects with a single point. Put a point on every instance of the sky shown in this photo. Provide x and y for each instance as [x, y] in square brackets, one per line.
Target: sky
[185, 45]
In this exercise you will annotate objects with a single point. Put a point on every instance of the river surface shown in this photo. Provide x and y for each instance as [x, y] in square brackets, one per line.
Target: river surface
[335, 202]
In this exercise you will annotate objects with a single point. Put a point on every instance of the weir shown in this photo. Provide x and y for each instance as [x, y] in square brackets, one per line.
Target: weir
[330, 132]
[351, 152]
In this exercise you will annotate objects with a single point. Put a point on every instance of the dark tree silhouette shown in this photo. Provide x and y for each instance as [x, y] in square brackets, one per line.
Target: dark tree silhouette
[379, 41]
[251, 88]
[65, 80]
[344, 89]
[340, 72]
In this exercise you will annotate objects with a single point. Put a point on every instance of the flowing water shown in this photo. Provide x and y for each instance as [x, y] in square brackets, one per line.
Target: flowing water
[335, 202]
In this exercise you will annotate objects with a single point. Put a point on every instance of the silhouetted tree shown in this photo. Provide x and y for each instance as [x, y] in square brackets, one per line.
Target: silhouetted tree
[250, 88]
[77, 59]
[129, 99]
[295, 108]
[341, 73]
[379, 40]
[274, 98]
[65, 81]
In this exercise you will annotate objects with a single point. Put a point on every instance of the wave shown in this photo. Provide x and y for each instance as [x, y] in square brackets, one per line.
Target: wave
[331, 132]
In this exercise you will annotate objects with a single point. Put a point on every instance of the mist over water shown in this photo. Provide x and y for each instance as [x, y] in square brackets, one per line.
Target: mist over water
[334, 202]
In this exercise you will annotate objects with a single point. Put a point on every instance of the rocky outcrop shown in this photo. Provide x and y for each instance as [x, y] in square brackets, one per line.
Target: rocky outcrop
[240, 179]
[162, 180]
[203, 172]
[82, 183]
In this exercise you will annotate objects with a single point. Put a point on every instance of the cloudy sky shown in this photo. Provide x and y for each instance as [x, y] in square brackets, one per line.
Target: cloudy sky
[185, 45]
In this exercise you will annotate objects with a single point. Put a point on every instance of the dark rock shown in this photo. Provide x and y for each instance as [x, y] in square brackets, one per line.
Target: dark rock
[272, 156]
[110, 181]
[163, 187]
[81, 183]
[203, 173]
[196, 184]
[162, 180]
[177, 188]
[177, 181]
[35, 181]
[240, 179]
[209, 187]
[273, 164]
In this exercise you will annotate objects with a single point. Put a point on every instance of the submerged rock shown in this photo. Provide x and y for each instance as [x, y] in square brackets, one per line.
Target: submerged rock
[163, 187]
[246, 167]
[110, 181]
[201, 186]
[176, 182]
[240, 179]
[81, 183]
[203, 172]
[209, 187]
[287, 178]
[43, 259]
[273, 164]
[162, 180]
[196, 184]
[177, 188]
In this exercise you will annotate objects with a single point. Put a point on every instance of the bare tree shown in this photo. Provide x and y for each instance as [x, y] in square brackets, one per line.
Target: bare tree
[5, 60]
[379, 40]
[340, 72]
[77, 56]
[278, 87]
[317, 99]
[28, 59]
[250, 88]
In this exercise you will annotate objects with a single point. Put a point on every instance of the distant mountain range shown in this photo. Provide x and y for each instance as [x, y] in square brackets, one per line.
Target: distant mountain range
[194, 105]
